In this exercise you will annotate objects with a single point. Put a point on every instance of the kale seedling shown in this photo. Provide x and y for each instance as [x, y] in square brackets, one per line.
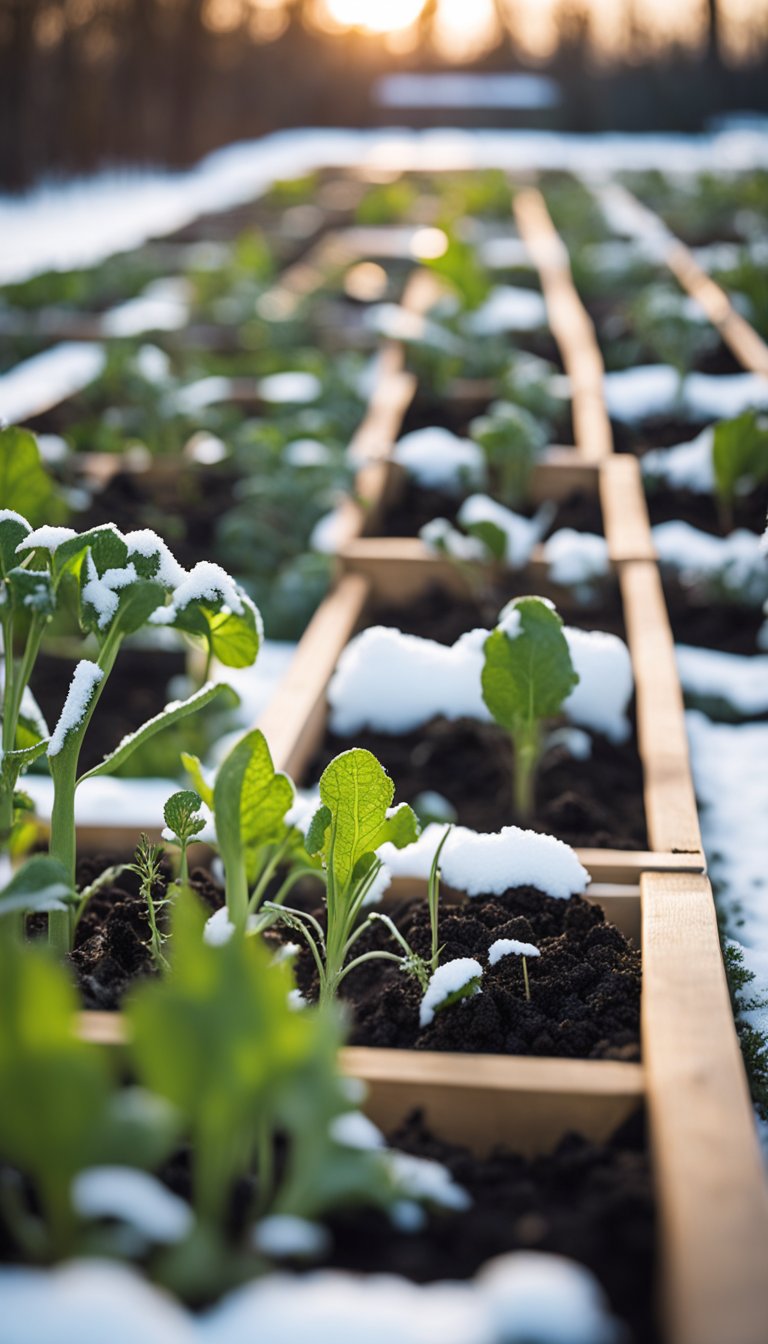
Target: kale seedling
[527, 676]
[511, 439]
[739, 459]
[354, 819]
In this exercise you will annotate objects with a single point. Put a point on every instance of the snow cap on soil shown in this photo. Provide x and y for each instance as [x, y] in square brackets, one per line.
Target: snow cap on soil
[422, 1179]
[510, 947]
[546, 1299]
[489, 863]
[440, 537]
[737, 559]
[521, 533]
[654, 389]
[132, 1197]
[686, 466]
[508, 308]
[576, 557]
[355, 1130]
[291, 387]
[394, 682]
[448, 979]
[739, 680]
[283, 1236]
[88, 1302]
[439, 460]
[85, 679]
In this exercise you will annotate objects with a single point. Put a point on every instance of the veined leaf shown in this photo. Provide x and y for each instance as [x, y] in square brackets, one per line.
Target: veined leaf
[31, 591]
[250, 799]
[13, 530]
[491, 535]
[357, 791]
[528, 673]
[176, 710]
[180, 814]
[194, 768]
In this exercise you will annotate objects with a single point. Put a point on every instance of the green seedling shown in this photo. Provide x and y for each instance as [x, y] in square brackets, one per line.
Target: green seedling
[183, 822]
[527, 676]
[739, 460]
[148, 868]
[511, 439]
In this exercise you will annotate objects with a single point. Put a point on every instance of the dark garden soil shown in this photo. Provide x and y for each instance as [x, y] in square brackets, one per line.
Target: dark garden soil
[657, 431]
[418, 506]
[112, 941]
[701, 510]
[136, 690]
[585, 986]
[441, 616]
[590, 1201]
[597, 803]
[697, 620]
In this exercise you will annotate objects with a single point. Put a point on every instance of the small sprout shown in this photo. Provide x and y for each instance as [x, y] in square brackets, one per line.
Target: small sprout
[505, 947]
[183, 822]
[739, 460]
[511, 439]
[527, 677]
[449, 984]
[147, 868]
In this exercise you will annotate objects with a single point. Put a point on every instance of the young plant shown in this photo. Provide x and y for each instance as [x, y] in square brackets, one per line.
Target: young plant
[526, 678]
[449, 984]
[250, 801]
[505, 947]
[354, 819]
[739, 460]
[148, 869]
[183, 822]
[120, 584]
[511, 439]
[411, 962]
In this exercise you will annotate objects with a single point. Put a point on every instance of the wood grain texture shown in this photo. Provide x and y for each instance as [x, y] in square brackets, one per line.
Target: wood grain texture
[670, 802]
[625, 512]
[710, 1179]
[571, 326]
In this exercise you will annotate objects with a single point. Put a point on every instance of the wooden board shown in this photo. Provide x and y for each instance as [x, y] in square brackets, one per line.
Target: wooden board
[670, 802]
[710, 1180]
[571, 326]
[625, 512]
[482, 1101]
[749, 348]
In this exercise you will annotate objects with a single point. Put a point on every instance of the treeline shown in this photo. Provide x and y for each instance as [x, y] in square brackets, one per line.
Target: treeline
[85, 83]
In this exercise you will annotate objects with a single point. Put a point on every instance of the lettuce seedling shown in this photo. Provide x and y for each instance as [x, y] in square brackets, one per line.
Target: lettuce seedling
[526, 678]
[354, 819]
[411, 962]
[250, 801]
[121, 584]
[739, 459]
[511, 439]
[183, 822]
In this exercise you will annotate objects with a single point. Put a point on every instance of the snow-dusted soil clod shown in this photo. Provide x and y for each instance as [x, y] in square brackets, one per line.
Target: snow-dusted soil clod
[479, 863]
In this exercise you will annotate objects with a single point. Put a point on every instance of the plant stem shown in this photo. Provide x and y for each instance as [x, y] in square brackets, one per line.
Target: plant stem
[434, 898]
[525, 978]
[526, 761]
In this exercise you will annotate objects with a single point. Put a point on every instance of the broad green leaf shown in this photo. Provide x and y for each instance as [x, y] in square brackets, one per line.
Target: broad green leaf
[358, 792]
[25, 485]
[105, 544]
[180, 814]
[460, 267]
[194, 768]
[136, 605]
[527, 674]
[250, 799]
[40, 884]
[32, 592]
[173, 712]
[491, 535]
[740, 453]
[13, 530]
[234, 638]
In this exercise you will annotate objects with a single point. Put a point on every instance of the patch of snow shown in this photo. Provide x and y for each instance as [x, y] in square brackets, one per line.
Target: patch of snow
[504, 253]
[328, 533]
[88, 1302]
[45, 380]
[479, 863]
[635, 394]
[739, 680]
[439, 460]
[724, 396]
[735, 560]
[290, 388]
[53, 448]
[46, 539]
[510, 947]
[307, 453]
[355, 1130]
[575, 741]
[102, 592]
[441, 538]
[427, 1181]
[85, 679]
[521, 533]
[206, 449]
[133, 1197]
[296, 1001]
[150, 546]
[153, 364]
[163, 306]
[686, 466]
[394, 682]
[519, 91]
[508, 308]
[576, 558]
[646, 390]
[219, 928]
[207, 583]
[283, 1236]
[447, 980]
[202, 393]
[396, 323]
[546, 1299]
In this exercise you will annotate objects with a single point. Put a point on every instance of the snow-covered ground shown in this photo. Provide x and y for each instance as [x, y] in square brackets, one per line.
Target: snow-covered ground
[63, 225]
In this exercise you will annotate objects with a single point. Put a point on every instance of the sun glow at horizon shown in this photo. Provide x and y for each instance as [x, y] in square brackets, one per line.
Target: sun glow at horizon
[374, 16]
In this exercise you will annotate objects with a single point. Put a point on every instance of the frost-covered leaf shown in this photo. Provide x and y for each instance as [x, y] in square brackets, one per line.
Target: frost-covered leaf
[32, 592]
[173, 713]
[528, 673]
[492, 537]
[209, 604]
[13, 530]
